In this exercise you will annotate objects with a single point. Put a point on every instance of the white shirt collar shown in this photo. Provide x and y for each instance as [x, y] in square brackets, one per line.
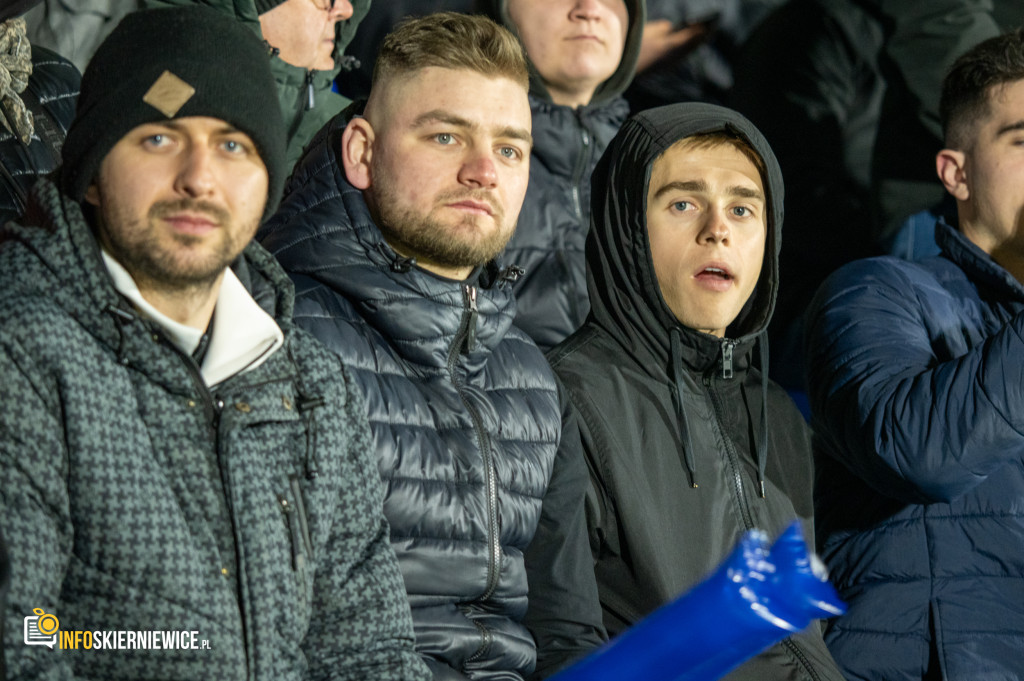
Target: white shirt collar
[244, 335]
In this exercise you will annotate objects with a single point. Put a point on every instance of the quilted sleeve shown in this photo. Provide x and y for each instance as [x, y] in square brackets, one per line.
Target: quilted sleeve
[903, 393]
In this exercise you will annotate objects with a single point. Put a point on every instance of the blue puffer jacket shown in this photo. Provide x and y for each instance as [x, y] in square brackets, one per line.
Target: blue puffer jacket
[916, 372]
[465, 417]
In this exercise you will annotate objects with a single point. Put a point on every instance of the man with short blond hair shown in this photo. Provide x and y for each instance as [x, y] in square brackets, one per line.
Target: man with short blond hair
[391, 231]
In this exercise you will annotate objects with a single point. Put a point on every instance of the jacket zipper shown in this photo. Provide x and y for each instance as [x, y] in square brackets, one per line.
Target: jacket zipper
[466, 337]
[728, 347]
[581, 166]
[577, 180]
[310, 96]
[730, 452]
[212, 406]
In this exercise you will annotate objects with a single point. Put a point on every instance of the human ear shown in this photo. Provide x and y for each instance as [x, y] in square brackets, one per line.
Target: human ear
[951, 169]
[92, 194]
[356, 151]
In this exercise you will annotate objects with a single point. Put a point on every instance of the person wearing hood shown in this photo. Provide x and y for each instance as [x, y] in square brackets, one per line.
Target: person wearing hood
[689, 444]
[582, 56]
[306, 41]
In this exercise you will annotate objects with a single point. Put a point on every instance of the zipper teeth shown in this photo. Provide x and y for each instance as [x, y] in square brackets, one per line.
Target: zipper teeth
[799, 655]
[577, 179]
[733, 463]
[213, 418]
[494, 547]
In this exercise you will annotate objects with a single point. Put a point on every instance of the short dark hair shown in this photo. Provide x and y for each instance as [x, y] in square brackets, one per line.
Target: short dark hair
[454, 41]
[968, 85]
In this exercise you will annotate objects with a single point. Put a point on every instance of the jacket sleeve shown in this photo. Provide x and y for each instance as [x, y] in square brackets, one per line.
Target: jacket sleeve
[34, 510]
[361, 625]
[564, 613]
[900, 393]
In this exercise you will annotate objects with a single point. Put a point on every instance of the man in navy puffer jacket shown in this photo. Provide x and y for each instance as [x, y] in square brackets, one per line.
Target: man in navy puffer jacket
[390, 229]
[916, 373]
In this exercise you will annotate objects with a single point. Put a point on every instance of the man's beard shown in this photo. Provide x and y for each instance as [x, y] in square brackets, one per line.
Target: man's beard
[464, 244]
[140, 247]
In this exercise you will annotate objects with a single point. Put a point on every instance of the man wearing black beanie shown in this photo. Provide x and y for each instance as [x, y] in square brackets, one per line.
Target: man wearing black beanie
[305, 41]
[188, 490]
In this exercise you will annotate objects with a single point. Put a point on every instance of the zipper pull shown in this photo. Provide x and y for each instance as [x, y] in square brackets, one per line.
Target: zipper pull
[470, 295]
[310, 99]
[727, 347]
[298, 559]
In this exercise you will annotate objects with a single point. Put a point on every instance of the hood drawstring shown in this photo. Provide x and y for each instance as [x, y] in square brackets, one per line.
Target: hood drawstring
[762, 444]
[684, 429]
[122, 318]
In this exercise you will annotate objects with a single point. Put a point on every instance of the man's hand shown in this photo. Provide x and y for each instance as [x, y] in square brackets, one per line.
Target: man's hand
[660, 40]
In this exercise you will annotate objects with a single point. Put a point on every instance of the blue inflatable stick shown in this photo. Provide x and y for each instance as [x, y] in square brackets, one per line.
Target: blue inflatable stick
[758, 595]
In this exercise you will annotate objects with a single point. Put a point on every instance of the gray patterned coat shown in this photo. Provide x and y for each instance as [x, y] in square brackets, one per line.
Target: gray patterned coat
[134, 498]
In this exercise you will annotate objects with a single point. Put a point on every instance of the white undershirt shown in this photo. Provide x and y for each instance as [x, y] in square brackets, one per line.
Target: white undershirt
[243, 337]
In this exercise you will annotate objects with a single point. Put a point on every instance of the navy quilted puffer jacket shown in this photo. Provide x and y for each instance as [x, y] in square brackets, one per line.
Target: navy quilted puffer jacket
[917, 388]
[464, 414]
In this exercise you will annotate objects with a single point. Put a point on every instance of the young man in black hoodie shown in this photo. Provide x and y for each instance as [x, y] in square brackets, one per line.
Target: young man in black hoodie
[689, 445]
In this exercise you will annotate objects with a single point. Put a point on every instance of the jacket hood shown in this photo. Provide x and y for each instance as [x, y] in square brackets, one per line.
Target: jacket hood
[609, 89]
[624, 293]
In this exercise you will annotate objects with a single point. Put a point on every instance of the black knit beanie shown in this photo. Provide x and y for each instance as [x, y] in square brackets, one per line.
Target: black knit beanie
[162, 64]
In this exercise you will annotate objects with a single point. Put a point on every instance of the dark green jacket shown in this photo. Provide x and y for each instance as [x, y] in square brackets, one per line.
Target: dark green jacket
[134, 498]
[306, 99]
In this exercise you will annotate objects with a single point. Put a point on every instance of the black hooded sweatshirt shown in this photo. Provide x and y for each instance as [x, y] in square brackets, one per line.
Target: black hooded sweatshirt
[688, 444]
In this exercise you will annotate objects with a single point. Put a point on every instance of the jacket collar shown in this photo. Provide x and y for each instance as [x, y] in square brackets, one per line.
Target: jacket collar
[979, 264]
[75, 277]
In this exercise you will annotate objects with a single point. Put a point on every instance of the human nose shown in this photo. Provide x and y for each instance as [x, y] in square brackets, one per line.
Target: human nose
[341, 10]
[585, 10]
[478, 170]
[195, 174]
[715, 228]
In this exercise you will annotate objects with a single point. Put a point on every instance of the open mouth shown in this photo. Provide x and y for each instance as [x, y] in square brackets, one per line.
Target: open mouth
[715, 273]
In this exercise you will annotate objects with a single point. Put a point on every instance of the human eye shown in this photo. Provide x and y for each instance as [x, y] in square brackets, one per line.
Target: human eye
[741, 211]
[511, 153]
[444, 138]
[236, 147]
[155, 141]
[681, 206]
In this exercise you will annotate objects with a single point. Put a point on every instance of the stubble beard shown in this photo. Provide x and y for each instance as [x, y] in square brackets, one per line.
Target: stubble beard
[141, 247]
[467, 243]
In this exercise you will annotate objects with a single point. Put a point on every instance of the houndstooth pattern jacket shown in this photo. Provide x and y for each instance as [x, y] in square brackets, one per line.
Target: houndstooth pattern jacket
[133, 498]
